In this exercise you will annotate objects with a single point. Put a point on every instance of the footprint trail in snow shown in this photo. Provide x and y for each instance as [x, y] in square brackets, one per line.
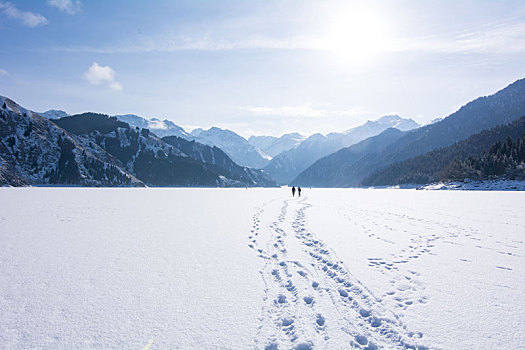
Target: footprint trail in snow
[311, 298]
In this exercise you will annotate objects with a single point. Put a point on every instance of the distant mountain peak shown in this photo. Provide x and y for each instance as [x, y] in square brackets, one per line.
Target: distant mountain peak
[272, 146]
[236, 146]
[389, 118]
[54, 114]
[159, 127]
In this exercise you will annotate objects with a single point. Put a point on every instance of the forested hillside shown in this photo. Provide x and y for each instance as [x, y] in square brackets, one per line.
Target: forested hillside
[429, 167]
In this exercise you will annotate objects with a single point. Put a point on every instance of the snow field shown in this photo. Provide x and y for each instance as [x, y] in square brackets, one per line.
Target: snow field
[115, 268]
[237, 269]
[449, 264]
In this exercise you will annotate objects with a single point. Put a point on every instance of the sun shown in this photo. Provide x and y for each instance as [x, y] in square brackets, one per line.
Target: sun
[356, 33]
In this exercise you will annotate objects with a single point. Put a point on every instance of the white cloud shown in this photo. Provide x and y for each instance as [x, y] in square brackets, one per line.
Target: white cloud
[115, 86]
[29, 19]
[67, 6]
[102, 75]
[305, 111]
[499, 38]
[3, 72]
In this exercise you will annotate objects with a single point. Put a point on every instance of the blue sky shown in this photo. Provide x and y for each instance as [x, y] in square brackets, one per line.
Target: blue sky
[259, 67]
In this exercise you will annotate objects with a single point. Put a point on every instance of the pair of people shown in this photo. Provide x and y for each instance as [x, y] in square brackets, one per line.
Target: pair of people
[298, 191]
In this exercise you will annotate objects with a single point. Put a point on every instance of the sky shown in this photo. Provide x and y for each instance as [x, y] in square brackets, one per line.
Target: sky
[259, 67]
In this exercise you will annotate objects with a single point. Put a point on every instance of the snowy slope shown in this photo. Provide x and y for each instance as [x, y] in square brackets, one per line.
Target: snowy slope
[160, 163]
[237, 148]
[369, 129]
[161, 128]
[38, 151]
[273, 146]
[234, 145]
[243, 269]
[54, 114]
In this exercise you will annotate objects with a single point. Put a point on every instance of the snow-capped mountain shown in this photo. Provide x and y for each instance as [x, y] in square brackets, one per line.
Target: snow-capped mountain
[483, 113]
[236, 146]
[369, 129]
[171, 161]
[39, 152]
[329, 166]
[216, 156]
[97, 150]
[273, 146]
[159, 127]
[54, 114]
[286, 166]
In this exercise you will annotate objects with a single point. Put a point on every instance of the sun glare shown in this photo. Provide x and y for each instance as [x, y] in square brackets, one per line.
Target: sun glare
[356, 33]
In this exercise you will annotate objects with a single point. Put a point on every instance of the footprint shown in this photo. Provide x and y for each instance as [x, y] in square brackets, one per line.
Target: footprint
[308, 300]
[343, 293]
[286, 322]
[364, 312]
[320, 320]
[361, 339]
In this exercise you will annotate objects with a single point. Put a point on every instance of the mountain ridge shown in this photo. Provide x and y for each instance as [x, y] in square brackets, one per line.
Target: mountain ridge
[429, 168]
[502, 107]
[286, 166]
[97, 150]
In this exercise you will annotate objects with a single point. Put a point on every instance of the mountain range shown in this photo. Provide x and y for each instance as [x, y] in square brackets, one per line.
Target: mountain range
[128, 150]
[235, 146]
[97, 150]
[289, 164]
[346, 170]
[432, 166]
[282, 157]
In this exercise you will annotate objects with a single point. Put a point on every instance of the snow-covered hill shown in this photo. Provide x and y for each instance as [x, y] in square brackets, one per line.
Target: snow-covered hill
[159, 127]
[54, 114]
[39, 152]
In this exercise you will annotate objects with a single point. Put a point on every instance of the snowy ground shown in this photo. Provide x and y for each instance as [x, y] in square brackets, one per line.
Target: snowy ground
[240, 269]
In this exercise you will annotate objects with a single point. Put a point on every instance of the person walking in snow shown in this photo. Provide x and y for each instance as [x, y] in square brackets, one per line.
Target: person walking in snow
[299, 191]
[293, 191]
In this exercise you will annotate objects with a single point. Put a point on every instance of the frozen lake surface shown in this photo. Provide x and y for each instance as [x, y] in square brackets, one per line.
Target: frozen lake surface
[241, 269]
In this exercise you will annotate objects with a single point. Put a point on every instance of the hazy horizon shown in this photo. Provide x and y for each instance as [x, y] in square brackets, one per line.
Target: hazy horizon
[260, 67]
